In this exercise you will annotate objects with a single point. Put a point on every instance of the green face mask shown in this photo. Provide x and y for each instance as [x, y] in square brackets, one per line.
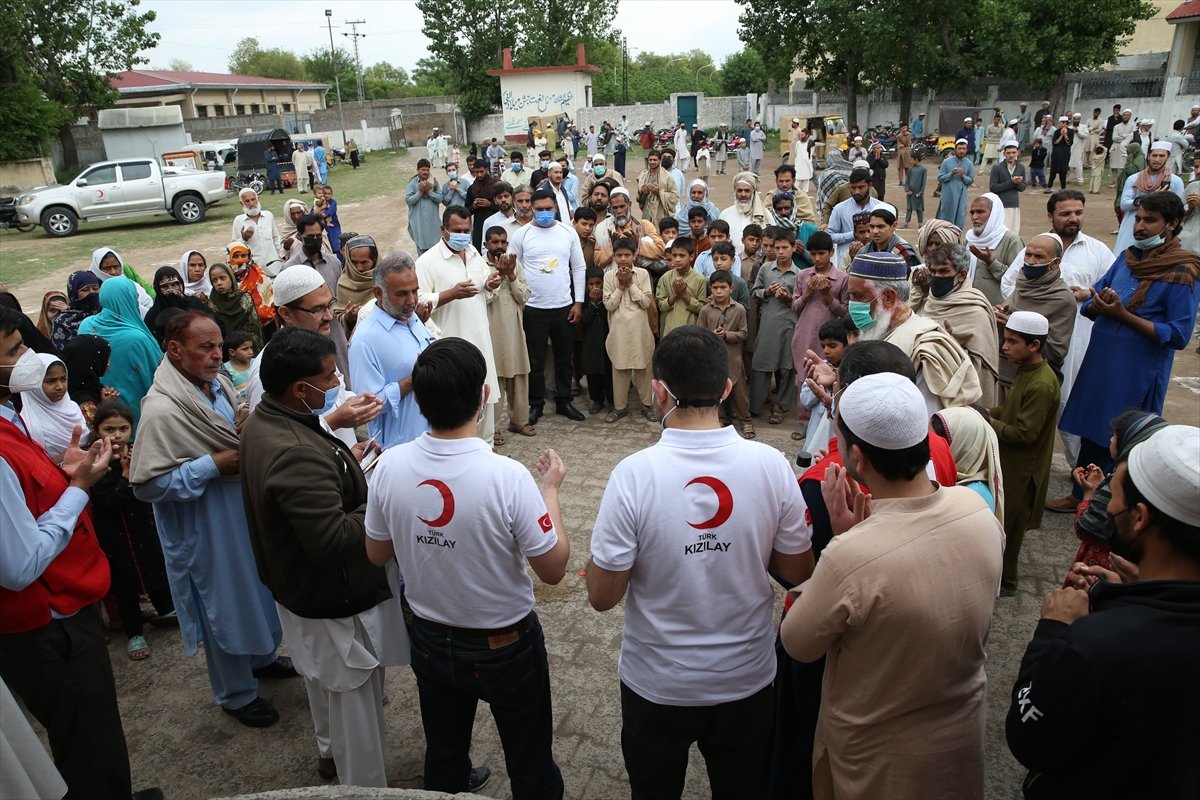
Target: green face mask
[860, 314]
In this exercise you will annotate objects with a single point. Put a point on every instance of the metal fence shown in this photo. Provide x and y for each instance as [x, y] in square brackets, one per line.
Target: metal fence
[1107, 85]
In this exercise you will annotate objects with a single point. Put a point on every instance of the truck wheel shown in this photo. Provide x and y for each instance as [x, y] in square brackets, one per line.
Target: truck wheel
[59, 221]
[189, 209]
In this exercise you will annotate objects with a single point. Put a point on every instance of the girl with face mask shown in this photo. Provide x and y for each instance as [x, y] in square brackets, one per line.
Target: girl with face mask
[83, 289]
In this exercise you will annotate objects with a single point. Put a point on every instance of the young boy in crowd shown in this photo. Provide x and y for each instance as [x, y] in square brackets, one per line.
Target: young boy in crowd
[239, 352]
[717, 232]
[681, 292]
[914, 193]
[630, 344]
[862, 235]
[751, 255]
[774, 287]
[727, 320]
[1037, 164]
[668, 229]
[584, 222]
[1025, 426]
[698, 228]
[595, 363]
[722, 257]
[834, 341]
[1099, 167]
[506, 313]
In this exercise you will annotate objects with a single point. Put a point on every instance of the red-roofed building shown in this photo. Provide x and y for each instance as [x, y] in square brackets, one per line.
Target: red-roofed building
[211, 94]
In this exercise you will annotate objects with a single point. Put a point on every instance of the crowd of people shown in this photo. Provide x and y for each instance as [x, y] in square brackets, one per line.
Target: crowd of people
[290, 446]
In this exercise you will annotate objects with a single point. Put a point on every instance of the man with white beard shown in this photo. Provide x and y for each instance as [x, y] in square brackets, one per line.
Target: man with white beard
[256, 227]
[879, 290]
[747, 208]
[1084, 261]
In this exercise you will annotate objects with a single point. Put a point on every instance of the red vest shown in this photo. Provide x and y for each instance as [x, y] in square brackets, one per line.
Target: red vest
[79, 575]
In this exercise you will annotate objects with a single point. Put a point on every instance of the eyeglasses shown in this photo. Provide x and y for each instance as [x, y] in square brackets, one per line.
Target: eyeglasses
[316, 311]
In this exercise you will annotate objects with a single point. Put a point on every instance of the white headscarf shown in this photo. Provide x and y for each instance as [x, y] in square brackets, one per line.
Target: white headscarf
[50, 424]
[97, 256]
[202, 286]
[994, 230]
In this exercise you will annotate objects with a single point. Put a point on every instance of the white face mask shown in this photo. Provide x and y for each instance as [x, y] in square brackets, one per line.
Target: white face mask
[27, 373]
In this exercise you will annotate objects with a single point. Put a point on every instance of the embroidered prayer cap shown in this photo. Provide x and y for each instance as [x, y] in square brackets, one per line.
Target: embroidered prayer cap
[1028, 322]
[1166, 470]
[294, 282]
[885, 410]
[879, 265]
[617, 191]
[362, 240]
[1163, 145]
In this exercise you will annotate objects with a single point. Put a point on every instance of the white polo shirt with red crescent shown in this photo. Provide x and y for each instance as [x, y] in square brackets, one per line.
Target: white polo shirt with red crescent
[695, 517]
[462, 520]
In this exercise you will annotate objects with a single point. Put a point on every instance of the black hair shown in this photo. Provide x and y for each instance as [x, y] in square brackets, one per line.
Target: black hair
[516, 155]
[585, 212]
[113, 408]
[820, 240]
[447, 381]
[501, 187]
[545, 154]
[684, 243]
[543, 194]
[894, 465]
[722, 275]
[770, 232]
[492, 231]
[655, 153]
[860, 174]
[1064, 194]
[720, 225]
[593, 273]
[175, 329]
[782, 168]
[833, 329]
[693, 363]
[452, 212]
[753, 229]
[424, 162]
[1166, 204]
[872, 358]
[1030, 338]
[697, 211]
[885, 214]
[787, 234]
[625, 244]
[293, 355]
[306, 220]
[724, 248]
[10, 320]
[1181, 536]
[668, 222]
[234, 340]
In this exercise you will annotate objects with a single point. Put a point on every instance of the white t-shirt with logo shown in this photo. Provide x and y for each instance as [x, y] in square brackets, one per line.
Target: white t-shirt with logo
[696, 517]
[554, 265]
[462, 520]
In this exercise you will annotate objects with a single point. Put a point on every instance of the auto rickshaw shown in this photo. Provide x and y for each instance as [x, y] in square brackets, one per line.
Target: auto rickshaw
[827, 130]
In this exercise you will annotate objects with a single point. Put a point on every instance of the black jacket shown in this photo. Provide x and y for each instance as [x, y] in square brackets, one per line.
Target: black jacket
[1109, 707]
[305, 500]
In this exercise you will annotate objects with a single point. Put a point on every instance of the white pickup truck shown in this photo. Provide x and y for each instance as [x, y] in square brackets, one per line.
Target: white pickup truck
[125, 188]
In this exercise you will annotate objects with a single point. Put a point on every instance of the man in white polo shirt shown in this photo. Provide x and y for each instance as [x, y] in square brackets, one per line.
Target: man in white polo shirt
[462, 522]
[690, 528]
[554, 270]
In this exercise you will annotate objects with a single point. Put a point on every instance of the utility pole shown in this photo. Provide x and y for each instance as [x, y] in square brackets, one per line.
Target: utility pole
[624, 71]
[355, 35]
[333, 65]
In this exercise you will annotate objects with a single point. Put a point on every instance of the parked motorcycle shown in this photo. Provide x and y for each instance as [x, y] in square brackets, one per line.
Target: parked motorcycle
[246, 180]
[8, 215]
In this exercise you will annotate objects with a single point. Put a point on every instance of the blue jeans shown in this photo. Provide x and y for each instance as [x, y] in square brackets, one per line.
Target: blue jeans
[456, 669]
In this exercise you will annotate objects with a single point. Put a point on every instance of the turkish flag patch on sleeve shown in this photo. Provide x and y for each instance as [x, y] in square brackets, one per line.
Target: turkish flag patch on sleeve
[546, 524]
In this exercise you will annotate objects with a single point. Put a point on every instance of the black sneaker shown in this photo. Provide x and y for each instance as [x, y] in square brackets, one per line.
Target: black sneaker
[257, 714]
[478, 778]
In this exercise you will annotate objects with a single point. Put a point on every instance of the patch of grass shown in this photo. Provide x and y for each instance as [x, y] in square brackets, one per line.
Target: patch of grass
[26, 257]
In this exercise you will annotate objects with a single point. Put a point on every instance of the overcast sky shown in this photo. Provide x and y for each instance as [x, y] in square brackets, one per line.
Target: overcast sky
[204, 34]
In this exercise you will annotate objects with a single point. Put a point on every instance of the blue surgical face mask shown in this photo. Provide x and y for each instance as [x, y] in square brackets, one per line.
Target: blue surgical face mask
[860, 314]
[452, 175]
[517, 166]
[599, 170]
[459, 241]
[331, 396]
[544, 219]
[1034, 271]
[1155, 241]
[545, 165]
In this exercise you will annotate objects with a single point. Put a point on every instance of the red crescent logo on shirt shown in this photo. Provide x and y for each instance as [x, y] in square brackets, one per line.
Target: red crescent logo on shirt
[447, 504]
[724, 502]
[545, 523]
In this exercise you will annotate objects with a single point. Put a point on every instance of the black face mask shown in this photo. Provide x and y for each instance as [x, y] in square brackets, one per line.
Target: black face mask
[1127, 549]
[312, 245]
[89, 302]
[668, 163]
[940, 286]
[1034, 271]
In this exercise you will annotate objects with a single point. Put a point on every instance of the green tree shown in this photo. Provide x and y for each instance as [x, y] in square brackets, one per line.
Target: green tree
[384, 80]
[319, 69]
[250, 59]
[744, 73]
[432, 74]
[58, 55]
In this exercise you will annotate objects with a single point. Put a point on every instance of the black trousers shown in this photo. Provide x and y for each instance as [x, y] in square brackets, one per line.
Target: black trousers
[734, 738]
[542, 324]
[62, 673]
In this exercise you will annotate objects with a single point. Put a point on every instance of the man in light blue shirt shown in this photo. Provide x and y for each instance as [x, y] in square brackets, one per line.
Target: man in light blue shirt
[385, 348]
[841, 220]
[918, 126]
[319, 159]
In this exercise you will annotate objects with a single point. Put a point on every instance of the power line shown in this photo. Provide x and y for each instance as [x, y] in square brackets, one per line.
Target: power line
[355, 35]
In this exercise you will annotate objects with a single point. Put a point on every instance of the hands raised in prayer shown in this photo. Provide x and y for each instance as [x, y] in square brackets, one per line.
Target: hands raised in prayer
[845, 500]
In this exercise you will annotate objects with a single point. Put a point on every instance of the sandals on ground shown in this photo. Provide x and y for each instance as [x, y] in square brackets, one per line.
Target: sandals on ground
[747, 431]
[138, 649]
[615, 415]
[776, 417]
[524, 430]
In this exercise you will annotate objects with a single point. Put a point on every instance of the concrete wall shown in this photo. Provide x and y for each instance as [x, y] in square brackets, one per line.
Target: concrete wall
[541, 95]
[26, 173]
